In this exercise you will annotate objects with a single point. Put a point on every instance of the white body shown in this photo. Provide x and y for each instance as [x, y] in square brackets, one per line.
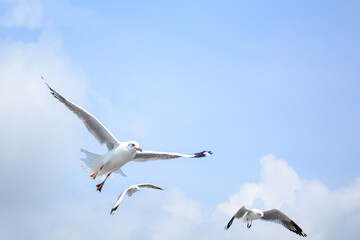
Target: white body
[115, 159]
[252, 214]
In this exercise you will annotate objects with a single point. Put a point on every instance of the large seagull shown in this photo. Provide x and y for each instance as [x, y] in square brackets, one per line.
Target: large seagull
[119, 153]
[273, 215]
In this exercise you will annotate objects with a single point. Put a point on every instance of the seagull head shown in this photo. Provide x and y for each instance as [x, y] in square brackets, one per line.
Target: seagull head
[260, 213]
[134, 145]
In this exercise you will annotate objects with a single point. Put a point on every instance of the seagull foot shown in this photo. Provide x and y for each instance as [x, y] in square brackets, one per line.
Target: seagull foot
[99, 186]
[93, 175]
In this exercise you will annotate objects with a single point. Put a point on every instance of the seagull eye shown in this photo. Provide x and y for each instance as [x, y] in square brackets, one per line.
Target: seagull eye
[133, 145]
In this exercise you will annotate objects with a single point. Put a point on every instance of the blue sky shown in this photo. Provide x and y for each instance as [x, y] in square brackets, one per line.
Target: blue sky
[260, 84]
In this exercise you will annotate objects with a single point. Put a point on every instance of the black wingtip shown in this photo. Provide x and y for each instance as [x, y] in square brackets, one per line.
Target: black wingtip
[203, 154]
[52, 91]
[298, 230]
[302, 234]
[47, 84]
[229, 223]
[113, 210]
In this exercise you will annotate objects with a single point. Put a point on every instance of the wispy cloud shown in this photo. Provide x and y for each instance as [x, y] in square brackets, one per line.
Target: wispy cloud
[28, 123]
[23, 13]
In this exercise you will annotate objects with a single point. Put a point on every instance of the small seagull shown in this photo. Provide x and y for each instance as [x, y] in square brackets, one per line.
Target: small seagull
[273, 215]
[119, 153]
[129, 191]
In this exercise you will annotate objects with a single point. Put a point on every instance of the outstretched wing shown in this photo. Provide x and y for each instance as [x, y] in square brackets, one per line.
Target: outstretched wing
[275, 215]
[239, 214]
[94, 126]
[148, 185]
[152, 155]
[120, 198]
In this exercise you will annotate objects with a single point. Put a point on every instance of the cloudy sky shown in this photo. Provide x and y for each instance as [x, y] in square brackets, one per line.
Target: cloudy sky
[271, 88]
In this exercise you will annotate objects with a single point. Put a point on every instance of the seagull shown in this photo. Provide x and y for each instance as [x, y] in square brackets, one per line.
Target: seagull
[129, 191]
[273, 215]
[119, 153]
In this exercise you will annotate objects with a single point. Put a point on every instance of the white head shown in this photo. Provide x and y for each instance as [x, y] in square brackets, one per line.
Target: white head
[134, 146]
[259, 213]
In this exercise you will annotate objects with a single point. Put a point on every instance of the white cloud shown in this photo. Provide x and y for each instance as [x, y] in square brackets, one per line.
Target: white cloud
[180, 206]
[23, 13]
[277, 175]
[38, 140]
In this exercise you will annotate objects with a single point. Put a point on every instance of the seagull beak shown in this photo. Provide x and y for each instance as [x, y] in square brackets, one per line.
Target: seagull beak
[139, 149]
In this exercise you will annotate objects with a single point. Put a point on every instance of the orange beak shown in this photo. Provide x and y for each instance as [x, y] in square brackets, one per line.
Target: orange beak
[139, 149]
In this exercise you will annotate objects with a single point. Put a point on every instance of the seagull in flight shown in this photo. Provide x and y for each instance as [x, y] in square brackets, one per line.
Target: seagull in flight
[119, 153]
[129, 191]
[273, 215]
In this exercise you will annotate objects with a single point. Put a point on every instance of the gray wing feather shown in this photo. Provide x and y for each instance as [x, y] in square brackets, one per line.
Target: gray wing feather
[239, 214]
[152, 155]
[94, 126]
[148, 185]
[275, 215]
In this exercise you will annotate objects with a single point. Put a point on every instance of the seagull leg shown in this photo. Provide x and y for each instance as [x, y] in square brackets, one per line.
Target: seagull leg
[100, 185]
[249, 225]
[95, 174]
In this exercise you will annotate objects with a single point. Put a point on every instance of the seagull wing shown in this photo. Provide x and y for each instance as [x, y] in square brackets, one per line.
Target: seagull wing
[120, 198]
[152, 155]
[275, 215]
[94, 126]
[239, 214]
[148, 185]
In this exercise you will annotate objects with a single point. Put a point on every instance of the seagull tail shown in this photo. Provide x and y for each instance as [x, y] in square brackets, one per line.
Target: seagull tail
[92, 162]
